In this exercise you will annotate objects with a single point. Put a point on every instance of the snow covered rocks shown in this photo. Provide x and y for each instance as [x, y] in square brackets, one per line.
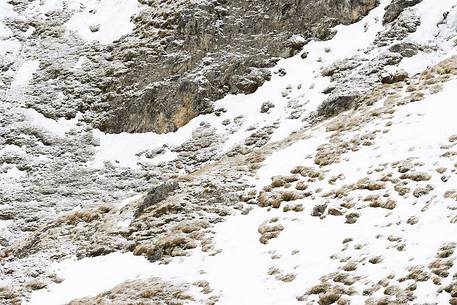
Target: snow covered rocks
[394, 9]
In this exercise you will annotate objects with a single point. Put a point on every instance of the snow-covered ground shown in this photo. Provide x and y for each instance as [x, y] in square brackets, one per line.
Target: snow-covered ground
[25, 73]
[304, 248]
[104, 21]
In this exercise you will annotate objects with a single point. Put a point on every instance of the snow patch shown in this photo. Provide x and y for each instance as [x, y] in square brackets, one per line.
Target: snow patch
[5, 11]
[122, 148]
[78, 65]
[104, 20]
[13, 173]
[25, 73]
[91, 276]
[58, 128]
[282, 161]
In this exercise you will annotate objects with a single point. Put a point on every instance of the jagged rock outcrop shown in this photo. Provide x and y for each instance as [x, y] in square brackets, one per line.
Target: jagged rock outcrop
[394, 9]
[224, 47]
[180, 57]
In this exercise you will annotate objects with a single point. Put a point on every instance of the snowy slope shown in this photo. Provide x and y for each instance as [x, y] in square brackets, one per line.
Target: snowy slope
[359, 208]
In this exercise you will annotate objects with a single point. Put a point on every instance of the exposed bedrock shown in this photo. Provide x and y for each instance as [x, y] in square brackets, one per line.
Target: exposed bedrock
[182, 56]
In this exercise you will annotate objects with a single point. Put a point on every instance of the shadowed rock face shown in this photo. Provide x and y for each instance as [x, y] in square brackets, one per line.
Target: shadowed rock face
[180, 60]
[394, 9]
[182, 56]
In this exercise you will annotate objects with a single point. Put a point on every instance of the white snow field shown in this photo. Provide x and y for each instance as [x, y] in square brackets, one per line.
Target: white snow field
[25, 73]
[105, 20]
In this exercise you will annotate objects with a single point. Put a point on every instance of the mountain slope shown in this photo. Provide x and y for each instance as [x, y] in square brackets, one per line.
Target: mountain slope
[332, 183]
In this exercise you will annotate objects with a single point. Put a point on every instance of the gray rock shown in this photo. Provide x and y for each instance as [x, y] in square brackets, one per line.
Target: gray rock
[94, 28]
[336, 104]
[406, 49]
[181, 56]
[394, 9]
[390, 78]
[155, 195]
[319, 210]
[266, 106]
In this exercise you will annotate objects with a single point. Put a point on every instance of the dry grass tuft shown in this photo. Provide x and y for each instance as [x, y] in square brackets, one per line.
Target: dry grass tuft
[35, 285]
[277, 182]
[150, 291]
[451, 194]
[367, 184]
[290, 196]
[79, 216]
[416, 176]
[286, 278]
[269, 229]
[294, 208]
[301, 186]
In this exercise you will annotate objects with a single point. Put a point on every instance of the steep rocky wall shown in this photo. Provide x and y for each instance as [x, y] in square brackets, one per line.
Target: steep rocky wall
[207, 50]
[184, 55]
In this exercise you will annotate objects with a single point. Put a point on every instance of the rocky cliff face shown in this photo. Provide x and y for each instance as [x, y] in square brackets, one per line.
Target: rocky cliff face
[205, 50]
[180, 58]
[315, 162]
